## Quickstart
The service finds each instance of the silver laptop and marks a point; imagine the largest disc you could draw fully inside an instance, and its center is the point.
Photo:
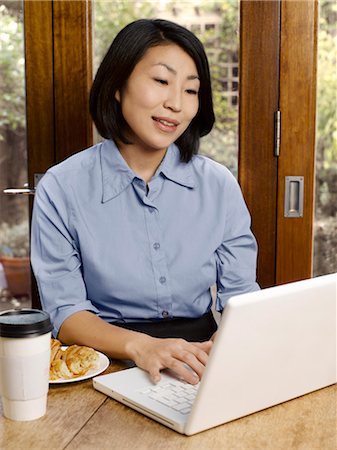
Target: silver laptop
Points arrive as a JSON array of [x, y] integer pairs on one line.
[[272, 345]]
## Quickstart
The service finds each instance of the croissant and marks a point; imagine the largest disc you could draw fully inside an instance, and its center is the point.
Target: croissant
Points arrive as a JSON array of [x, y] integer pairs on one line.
[[79, 359], [55, 350], [59, 370], [72, 362]]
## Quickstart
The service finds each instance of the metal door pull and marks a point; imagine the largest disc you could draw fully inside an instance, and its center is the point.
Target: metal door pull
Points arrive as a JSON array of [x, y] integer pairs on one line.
[[14, 191], [26, 190], [293, 199]]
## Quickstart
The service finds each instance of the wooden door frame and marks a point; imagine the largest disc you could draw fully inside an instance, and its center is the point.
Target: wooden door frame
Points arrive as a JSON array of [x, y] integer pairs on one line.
[[58, 52], [58, 78], [299, 22], [283, 33], [259, 100]]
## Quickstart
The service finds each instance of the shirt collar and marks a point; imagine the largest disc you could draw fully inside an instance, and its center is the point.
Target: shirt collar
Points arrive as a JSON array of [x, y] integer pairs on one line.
[[117, 175], [175, 170]]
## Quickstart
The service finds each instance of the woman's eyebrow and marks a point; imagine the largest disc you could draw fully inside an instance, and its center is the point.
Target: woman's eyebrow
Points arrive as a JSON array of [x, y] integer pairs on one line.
[[170, 69]]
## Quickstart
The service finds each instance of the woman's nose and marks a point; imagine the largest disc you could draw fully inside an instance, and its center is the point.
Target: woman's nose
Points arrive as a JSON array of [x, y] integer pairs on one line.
[[173, 100]]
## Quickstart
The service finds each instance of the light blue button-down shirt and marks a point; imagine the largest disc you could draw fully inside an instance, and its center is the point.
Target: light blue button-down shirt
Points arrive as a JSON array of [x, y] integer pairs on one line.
[[104, 242]]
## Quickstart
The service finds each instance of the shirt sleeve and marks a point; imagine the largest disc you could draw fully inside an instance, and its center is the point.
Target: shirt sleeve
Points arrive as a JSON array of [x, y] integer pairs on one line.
[[55, 258], [236, 256]]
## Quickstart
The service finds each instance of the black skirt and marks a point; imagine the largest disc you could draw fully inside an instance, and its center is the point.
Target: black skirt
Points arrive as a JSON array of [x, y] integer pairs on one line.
[[192, 330]]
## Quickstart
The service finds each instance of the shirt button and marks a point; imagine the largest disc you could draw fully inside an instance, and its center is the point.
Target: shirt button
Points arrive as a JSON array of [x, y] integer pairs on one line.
[[162, 280], [165, 314], [156, 245], [151, 210]]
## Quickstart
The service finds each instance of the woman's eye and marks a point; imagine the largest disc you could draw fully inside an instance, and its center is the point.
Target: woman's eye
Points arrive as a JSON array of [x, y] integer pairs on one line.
[[159, 80], [192, 91]]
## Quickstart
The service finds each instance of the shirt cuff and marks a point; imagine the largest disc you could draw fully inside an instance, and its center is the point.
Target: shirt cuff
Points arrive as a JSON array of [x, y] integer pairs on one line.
[[60, 315], [223, 297]]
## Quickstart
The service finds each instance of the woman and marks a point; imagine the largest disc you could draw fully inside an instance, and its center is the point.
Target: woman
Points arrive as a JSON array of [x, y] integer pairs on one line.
[[129, 235]]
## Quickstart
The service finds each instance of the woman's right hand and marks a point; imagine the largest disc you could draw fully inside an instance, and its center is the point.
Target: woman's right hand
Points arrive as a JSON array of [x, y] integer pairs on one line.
[[186, 359]]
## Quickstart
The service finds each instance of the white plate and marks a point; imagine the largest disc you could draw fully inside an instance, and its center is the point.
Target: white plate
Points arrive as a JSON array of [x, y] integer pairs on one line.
[[103, 363]]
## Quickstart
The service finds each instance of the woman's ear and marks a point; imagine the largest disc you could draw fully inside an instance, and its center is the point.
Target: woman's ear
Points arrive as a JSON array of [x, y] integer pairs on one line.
[[118, 96]]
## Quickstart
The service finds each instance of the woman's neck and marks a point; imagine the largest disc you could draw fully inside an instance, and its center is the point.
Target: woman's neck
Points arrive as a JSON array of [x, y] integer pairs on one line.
[[143, 163]]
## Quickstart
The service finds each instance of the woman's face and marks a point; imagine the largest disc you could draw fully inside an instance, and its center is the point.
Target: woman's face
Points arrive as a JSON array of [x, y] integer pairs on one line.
[[160, 98]]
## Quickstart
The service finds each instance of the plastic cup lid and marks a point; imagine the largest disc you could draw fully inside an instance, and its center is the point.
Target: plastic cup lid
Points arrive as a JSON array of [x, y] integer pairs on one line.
[[20, 323]]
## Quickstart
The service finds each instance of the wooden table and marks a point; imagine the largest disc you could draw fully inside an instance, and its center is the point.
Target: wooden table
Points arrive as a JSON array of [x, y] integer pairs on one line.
[[78, 418]]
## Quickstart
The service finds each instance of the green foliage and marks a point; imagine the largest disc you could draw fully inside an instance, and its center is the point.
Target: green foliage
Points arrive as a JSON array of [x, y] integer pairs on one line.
[[325, 227], [12, 81], [112, 16], [327, 86], [325, 244], [326, 142]]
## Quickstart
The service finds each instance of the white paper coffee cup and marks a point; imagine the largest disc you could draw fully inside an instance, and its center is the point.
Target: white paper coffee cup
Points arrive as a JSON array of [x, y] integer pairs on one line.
[[24, 363]]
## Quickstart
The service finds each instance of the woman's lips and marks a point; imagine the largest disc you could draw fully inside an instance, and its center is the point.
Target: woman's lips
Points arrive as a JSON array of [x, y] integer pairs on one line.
[[166, 124]]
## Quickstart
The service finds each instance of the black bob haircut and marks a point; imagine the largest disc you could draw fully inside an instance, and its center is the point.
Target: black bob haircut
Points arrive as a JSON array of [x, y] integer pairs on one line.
[[126, 50]]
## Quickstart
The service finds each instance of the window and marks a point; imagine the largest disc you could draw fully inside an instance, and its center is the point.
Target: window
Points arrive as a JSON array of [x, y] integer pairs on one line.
[[325, 226], [14, 229]]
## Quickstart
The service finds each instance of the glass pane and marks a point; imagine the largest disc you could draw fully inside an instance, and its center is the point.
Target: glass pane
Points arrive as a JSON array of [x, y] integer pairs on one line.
[[325, 226], [216, 23], [14, 237]]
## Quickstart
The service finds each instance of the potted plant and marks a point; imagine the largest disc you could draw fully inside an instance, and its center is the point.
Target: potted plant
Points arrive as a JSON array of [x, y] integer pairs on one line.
[[14, 256]]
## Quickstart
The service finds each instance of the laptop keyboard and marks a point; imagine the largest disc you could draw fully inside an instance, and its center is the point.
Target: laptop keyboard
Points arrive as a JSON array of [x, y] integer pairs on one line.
[[179, 397]]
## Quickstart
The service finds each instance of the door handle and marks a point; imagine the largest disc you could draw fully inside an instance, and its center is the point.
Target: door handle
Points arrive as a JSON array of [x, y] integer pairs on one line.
[[25, 190], [293, 199]]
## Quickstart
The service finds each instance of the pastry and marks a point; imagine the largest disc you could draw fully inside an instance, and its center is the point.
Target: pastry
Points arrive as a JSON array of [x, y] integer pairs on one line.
[[59, 370], [74, 361], [55, 350], [79, 359]]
